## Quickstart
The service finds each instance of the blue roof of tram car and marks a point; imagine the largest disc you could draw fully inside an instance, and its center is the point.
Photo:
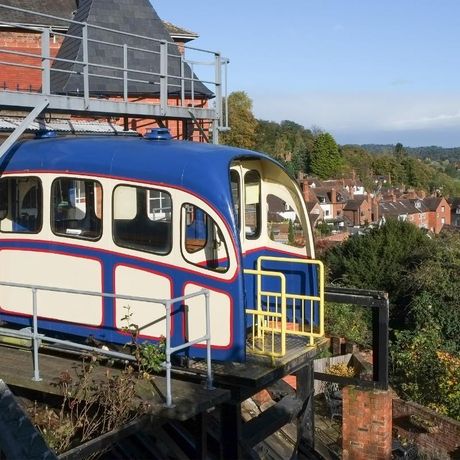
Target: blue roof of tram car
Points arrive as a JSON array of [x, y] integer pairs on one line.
[[201, 168]]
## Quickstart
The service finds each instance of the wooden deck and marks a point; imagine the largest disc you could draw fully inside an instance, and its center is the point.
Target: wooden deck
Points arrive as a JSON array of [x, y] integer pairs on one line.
[[189, 399]]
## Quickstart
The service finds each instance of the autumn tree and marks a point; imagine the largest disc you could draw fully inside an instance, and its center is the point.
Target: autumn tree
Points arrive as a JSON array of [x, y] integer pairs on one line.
[[242, 122], [326, 160]]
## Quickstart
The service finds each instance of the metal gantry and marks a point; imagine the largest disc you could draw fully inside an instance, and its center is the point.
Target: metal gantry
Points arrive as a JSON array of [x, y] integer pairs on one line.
[[173, 74]]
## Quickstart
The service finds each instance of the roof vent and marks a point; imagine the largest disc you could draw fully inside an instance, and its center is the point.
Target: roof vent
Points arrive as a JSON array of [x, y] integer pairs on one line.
[[158, 134], [45, 134]]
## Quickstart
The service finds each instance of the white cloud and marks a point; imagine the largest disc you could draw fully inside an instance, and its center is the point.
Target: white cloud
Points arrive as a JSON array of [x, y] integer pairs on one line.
[[364, 112]]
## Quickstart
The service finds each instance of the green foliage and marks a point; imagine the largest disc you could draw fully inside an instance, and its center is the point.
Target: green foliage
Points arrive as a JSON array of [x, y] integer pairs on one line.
[[423, 373], [323, 229], [287, 141], [291, 234], [326, 160], [242, 122], [435, 288], [152, 356], [348, 321], [382, 259]]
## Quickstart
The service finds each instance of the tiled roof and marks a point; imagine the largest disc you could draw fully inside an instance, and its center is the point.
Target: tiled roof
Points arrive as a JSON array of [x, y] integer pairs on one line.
[[432, 202], [132, 16], [61, 8], [354, 205], [402, 207]]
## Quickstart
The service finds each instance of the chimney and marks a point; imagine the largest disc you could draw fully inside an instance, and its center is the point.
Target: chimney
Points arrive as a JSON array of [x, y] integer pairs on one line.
[[333, 195], [305, 190]]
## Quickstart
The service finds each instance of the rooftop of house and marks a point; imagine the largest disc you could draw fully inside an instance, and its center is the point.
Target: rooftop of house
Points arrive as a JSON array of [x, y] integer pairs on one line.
[[355, 204], [402, 207], [66, 9], [454, 202]]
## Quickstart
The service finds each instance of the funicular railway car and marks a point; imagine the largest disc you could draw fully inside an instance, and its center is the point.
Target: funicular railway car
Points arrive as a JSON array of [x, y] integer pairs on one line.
[[157, 218]]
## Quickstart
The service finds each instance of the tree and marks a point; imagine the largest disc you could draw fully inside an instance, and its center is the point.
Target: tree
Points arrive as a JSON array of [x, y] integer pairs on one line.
[[326, 160], [242, 122], [383, 259]]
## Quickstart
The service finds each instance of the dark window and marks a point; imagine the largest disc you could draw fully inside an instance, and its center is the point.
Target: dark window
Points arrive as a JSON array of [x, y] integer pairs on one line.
[[202, 239], [76, 208], [21, 205], [142, 219], [252, 204], [235, 184]]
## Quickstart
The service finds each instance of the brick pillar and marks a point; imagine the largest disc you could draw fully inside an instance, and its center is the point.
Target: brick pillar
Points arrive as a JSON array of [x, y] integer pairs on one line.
[[367, 424]]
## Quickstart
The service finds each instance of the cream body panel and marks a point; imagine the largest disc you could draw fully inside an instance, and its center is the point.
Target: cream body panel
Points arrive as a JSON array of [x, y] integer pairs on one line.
[[53, 270], [149, 317], [220, 315]]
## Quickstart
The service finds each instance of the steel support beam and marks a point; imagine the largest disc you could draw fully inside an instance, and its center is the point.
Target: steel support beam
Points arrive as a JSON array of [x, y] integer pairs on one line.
[[16, 134]]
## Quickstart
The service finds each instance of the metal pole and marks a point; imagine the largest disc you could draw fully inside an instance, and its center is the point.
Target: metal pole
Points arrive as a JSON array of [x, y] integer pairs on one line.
[[209, 385], [85, 65], [168, 354], [36, 376], [163, 77], [125, 72], [46, 85]]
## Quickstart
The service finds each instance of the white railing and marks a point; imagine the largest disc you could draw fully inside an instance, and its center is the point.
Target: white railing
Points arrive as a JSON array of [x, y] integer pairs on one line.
[[36, 337]]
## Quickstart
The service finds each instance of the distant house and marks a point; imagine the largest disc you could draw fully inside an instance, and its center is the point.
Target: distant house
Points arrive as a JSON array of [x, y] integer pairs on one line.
[[454, 211], [358, 211], [439, 214], [430, 213]]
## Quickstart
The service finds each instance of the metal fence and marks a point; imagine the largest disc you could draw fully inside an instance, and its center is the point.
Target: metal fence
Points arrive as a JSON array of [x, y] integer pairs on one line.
[[37, 337]]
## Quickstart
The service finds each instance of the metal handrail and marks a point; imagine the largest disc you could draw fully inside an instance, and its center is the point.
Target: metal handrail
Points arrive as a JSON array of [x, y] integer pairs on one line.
[[36, 337]]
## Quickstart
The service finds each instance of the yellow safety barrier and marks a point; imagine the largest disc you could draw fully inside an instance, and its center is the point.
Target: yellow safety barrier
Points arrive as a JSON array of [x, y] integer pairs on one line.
[[273, 322]]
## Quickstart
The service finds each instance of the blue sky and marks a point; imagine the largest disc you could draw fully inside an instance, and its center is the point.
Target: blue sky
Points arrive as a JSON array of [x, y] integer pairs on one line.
[[366, 71]]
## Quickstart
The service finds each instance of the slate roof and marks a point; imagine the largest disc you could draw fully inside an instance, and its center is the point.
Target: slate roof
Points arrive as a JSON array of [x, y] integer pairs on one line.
[[61, 8], [354, 205], [131, 16], [454, 202], [432, 202], [402, 207]]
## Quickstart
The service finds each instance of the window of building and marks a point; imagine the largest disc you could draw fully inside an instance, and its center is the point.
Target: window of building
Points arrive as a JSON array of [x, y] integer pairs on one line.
[[21, 205], [443, 220], [326, 212], [142, 219], [442, 208], [203, 241], [76, 208], [252, 204]]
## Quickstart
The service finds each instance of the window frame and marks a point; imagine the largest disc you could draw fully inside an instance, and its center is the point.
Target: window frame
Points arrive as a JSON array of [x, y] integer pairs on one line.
[[183, 247], [41, 209], [52, 210], [258, 232], [137, 248]]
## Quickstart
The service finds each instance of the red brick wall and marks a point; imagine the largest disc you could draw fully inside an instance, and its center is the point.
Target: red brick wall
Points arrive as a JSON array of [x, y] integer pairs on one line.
[[23, 78], [443, 442], [367, 424]]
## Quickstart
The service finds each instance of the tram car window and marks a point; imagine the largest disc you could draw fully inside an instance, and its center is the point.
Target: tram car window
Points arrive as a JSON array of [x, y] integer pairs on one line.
[[76, 208], [252, 204], [142, 219], [20, 205]]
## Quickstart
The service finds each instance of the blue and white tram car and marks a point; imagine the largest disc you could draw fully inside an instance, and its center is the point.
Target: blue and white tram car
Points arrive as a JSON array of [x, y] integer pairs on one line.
[[147, 217]]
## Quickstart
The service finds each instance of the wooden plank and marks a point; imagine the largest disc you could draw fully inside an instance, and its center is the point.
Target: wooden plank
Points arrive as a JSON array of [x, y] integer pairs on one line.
[[189, 399]]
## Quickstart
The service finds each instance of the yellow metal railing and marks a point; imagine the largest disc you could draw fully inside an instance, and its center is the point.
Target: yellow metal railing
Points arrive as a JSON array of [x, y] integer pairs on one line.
[[269, 319], [267, 324]]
